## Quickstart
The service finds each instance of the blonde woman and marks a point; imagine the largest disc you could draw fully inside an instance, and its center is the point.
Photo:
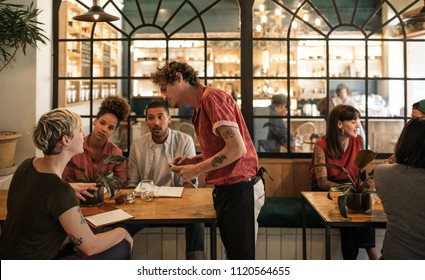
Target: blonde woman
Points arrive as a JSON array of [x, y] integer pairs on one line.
[[42, 209]]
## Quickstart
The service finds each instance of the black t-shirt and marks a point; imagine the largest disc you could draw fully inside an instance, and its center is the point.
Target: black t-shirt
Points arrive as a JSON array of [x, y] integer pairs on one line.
[[35, 201]]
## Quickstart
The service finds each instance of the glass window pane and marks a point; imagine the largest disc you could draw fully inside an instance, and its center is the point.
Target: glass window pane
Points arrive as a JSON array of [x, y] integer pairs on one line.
[[268, 134], [305, 133], [415, 93], [350, 92], [146, 56], [393, 67], [387, 100], [306, 95], [346, 58], [270, 59], [383, 134], [310, 59], [225, 56], [416, 59]]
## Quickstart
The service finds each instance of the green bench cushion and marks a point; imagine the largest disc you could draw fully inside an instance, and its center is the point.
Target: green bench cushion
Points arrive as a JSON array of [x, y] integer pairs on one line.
[[286, 212]]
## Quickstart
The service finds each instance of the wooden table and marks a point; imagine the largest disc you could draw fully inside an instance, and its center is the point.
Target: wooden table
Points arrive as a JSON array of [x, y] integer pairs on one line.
[[329, 212], [195, 206]]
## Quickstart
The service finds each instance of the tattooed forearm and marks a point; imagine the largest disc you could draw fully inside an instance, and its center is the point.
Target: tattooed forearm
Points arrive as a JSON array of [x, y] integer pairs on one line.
[[228, 133], [83, 220], [319, 157], [322, 182], [218, 160], [75, 240]]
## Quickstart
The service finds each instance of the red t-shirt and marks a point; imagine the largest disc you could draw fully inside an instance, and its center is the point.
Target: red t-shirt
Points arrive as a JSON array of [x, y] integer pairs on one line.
[[216, 108], [346, 161]]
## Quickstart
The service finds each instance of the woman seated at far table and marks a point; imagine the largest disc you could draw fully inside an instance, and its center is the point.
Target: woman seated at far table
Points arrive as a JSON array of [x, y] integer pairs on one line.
[[340, 146], [401, 187]]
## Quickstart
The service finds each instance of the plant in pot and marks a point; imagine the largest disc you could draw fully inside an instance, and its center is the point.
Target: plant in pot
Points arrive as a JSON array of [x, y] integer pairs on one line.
[[106, 180], [356, 194], [19, 28]]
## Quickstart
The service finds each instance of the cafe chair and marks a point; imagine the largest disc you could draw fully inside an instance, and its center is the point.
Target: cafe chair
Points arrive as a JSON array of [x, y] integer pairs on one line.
[[189, 129], [306, 132]]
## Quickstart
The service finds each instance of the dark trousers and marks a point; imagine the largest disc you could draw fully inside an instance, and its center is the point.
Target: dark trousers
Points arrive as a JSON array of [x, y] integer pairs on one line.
[[234, 206], [353, 238]]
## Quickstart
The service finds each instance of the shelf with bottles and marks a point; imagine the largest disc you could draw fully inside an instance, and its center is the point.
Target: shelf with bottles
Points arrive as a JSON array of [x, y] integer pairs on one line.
[[347, 58], [75, 55], [270, 59], [78, 91], [265, 89]]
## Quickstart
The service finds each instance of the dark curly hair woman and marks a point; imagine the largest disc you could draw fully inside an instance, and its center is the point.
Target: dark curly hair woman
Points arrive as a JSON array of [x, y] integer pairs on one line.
[[97, 145]]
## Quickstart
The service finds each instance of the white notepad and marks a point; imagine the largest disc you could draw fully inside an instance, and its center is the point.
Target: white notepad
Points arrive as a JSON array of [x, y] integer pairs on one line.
[[165, 191], [108, 218]]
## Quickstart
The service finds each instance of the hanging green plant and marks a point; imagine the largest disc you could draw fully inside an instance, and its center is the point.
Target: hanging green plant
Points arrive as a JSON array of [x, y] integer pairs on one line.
[[19, 28]]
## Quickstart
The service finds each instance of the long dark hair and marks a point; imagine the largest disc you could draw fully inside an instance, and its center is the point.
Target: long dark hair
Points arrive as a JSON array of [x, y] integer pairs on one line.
[[339, 113], [410, 147]]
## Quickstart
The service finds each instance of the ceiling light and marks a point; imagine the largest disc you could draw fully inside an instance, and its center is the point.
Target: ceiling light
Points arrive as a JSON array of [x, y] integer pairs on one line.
[[96, 13]]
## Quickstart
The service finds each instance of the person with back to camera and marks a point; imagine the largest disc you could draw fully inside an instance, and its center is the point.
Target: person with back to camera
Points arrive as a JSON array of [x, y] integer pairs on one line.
[[97, 146], [418, 110], [278, 133], [401, 187], [42, 209], [340, 146], [149, 158], [228, 156]]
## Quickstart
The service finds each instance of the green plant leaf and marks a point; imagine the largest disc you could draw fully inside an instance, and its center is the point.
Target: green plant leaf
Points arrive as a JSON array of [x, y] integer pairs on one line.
[[342, 202], [364, 157], [74, 166], [340, 168], [114, 159], [19, 28], [111, 182]]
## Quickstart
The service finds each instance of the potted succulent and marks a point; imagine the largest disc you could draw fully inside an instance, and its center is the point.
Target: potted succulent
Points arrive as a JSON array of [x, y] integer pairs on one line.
[[356, 195], [19, 28], [107, 180]]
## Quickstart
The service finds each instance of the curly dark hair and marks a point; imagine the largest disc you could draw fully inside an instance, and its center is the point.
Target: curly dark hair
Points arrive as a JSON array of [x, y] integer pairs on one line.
[[116, 105], [167, 74]]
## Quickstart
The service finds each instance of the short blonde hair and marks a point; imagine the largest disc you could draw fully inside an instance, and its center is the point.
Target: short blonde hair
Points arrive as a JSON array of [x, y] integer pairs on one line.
[[51, 127]]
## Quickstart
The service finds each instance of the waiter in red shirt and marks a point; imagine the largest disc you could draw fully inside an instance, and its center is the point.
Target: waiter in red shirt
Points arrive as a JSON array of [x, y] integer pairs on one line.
[[228, 157]]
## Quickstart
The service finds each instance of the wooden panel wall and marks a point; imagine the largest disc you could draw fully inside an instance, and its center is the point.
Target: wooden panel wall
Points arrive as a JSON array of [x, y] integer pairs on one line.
[[291, 176]]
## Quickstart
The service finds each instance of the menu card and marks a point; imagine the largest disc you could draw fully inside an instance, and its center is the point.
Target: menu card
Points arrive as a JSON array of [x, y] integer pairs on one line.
[[104, 215], [164, 191], [168, 191]]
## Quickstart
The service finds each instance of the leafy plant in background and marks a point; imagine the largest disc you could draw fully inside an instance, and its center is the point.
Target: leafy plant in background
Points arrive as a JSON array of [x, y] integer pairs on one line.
[[18, 29], [358, 185], [111, 182]]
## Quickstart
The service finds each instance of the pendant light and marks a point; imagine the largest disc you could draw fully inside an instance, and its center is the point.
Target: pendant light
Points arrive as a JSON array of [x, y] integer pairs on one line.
[[96, 13], [419, 17]]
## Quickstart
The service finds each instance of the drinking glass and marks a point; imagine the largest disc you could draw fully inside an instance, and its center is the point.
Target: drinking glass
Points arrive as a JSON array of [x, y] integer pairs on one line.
[[299, 140], [147, 190]]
